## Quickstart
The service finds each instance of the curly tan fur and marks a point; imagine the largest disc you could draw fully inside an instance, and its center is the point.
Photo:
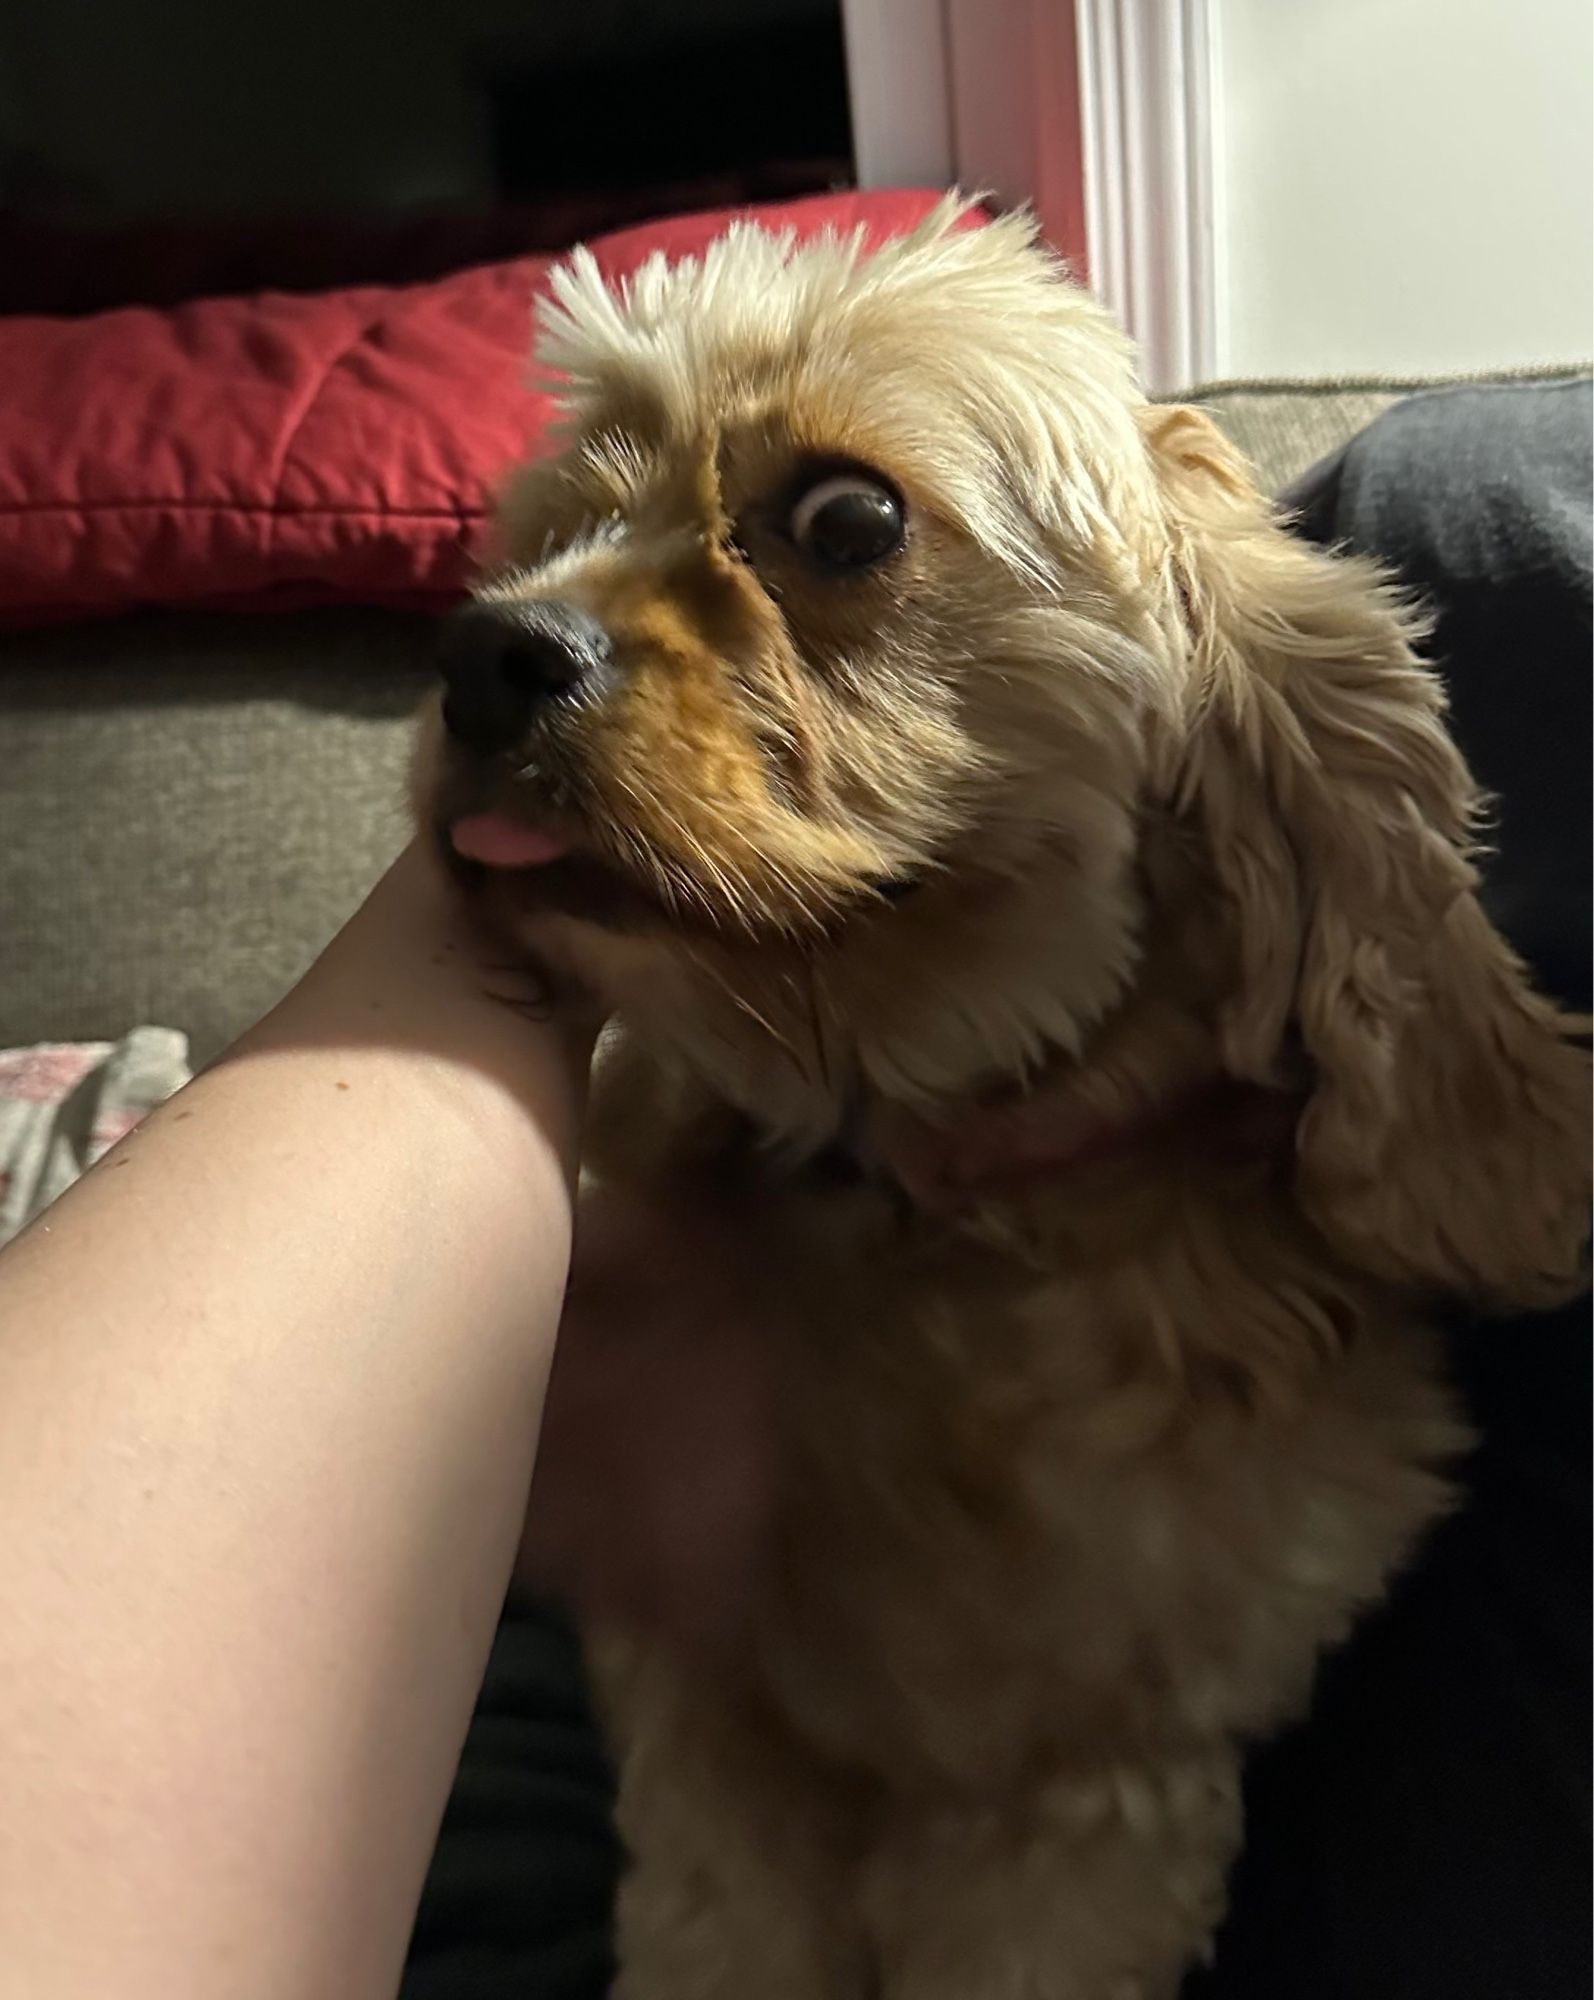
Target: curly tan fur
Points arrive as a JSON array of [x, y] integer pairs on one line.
[[1080, 1482]]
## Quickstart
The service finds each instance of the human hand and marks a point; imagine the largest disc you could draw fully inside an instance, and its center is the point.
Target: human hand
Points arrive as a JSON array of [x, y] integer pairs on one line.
[[658, 1465]]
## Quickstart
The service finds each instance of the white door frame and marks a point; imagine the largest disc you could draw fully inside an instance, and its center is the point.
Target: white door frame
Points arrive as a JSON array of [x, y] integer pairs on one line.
[[1016, 97], [1148, 103], [900, 92]]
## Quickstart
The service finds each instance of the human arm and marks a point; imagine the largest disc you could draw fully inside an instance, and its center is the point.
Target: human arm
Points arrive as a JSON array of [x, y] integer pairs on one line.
[[270, 1379]]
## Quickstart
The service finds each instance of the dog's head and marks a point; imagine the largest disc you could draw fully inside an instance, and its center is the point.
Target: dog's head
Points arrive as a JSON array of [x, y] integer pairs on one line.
[[840, 662]]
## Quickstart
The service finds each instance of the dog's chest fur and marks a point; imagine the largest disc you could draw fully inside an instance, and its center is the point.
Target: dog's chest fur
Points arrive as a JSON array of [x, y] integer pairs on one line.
[[1045, 1504], [1068, 1508]]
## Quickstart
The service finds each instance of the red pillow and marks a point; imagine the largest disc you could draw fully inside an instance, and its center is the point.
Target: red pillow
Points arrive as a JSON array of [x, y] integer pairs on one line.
[[281, 450]]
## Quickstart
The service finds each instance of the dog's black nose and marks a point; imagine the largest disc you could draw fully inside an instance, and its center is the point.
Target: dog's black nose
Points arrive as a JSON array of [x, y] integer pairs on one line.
[[502, 662]]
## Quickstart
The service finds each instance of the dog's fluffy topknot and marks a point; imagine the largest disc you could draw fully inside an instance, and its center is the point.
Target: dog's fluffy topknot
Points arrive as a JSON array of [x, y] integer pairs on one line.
[[976, 331]]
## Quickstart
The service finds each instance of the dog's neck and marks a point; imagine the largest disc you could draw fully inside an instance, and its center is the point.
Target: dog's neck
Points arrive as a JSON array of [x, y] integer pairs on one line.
[[957, 990], [992, 1151], [993, 1033], [1147, 1091]]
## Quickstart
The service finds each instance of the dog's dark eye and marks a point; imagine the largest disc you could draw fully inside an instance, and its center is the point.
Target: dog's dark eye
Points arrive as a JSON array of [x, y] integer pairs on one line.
[[848, 521]]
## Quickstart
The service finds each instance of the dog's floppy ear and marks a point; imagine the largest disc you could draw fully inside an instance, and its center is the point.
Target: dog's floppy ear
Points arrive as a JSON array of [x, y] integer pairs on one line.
[[1445, 1141]]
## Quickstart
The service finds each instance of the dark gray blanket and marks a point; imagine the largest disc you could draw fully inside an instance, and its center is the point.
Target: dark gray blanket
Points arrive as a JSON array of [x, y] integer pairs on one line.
[[1426, 1834]]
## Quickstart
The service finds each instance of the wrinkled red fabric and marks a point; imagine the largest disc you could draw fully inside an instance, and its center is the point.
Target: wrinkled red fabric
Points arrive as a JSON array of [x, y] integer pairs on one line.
[[285, 450]]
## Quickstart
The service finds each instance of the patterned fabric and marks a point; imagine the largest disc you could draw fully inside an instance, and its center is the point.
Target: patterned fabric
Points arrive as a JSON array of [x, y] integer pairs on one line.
[[63, 1104]]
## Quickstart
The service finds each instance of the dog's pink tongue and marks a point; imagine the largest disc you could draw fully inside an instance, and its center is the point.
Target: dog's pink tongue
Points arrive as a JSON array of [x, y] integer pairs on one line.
[[498, 841]]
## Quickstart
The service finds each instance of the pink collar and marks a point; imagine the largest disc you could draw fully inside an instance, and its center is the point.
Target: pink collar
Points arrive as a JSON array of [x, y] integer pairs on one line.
[[985, 1151]]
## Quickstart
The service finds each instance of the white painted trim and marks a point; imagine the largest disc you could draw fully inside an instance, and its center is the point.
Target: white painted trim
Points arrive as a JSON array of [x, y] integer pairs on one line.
[[980, 94], [1217, 146], [1148, 105], [900, 93]]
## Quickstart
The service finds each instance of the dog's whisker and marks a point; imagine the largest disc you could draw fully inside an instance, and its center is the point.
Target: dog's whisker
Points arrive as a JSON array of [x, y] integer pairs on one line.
[[740, 1001]]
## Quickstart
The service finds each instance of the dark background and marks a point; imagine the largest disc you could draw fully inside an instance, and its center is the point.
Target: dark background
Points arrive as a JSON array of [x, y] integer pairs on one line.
[[170, 148]]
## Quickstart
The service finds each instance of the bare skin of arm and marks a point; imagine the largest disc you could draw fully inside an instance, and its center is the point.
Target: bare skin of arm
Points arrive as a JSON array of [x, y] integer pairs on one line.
[[270, 1381]]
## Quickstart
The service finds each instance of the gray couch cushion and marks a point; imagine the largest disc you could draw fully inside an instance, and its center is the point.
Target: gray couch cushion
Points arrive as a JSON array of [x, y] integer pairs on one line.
[[1282, 432], [1284, 427], [191, 805]]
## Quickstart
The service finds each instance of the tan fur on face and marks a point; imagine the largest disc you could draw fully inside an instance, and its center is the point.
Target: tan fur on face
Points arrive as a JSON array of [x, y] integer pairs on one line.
[[1080, 1482], [975, 715]]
